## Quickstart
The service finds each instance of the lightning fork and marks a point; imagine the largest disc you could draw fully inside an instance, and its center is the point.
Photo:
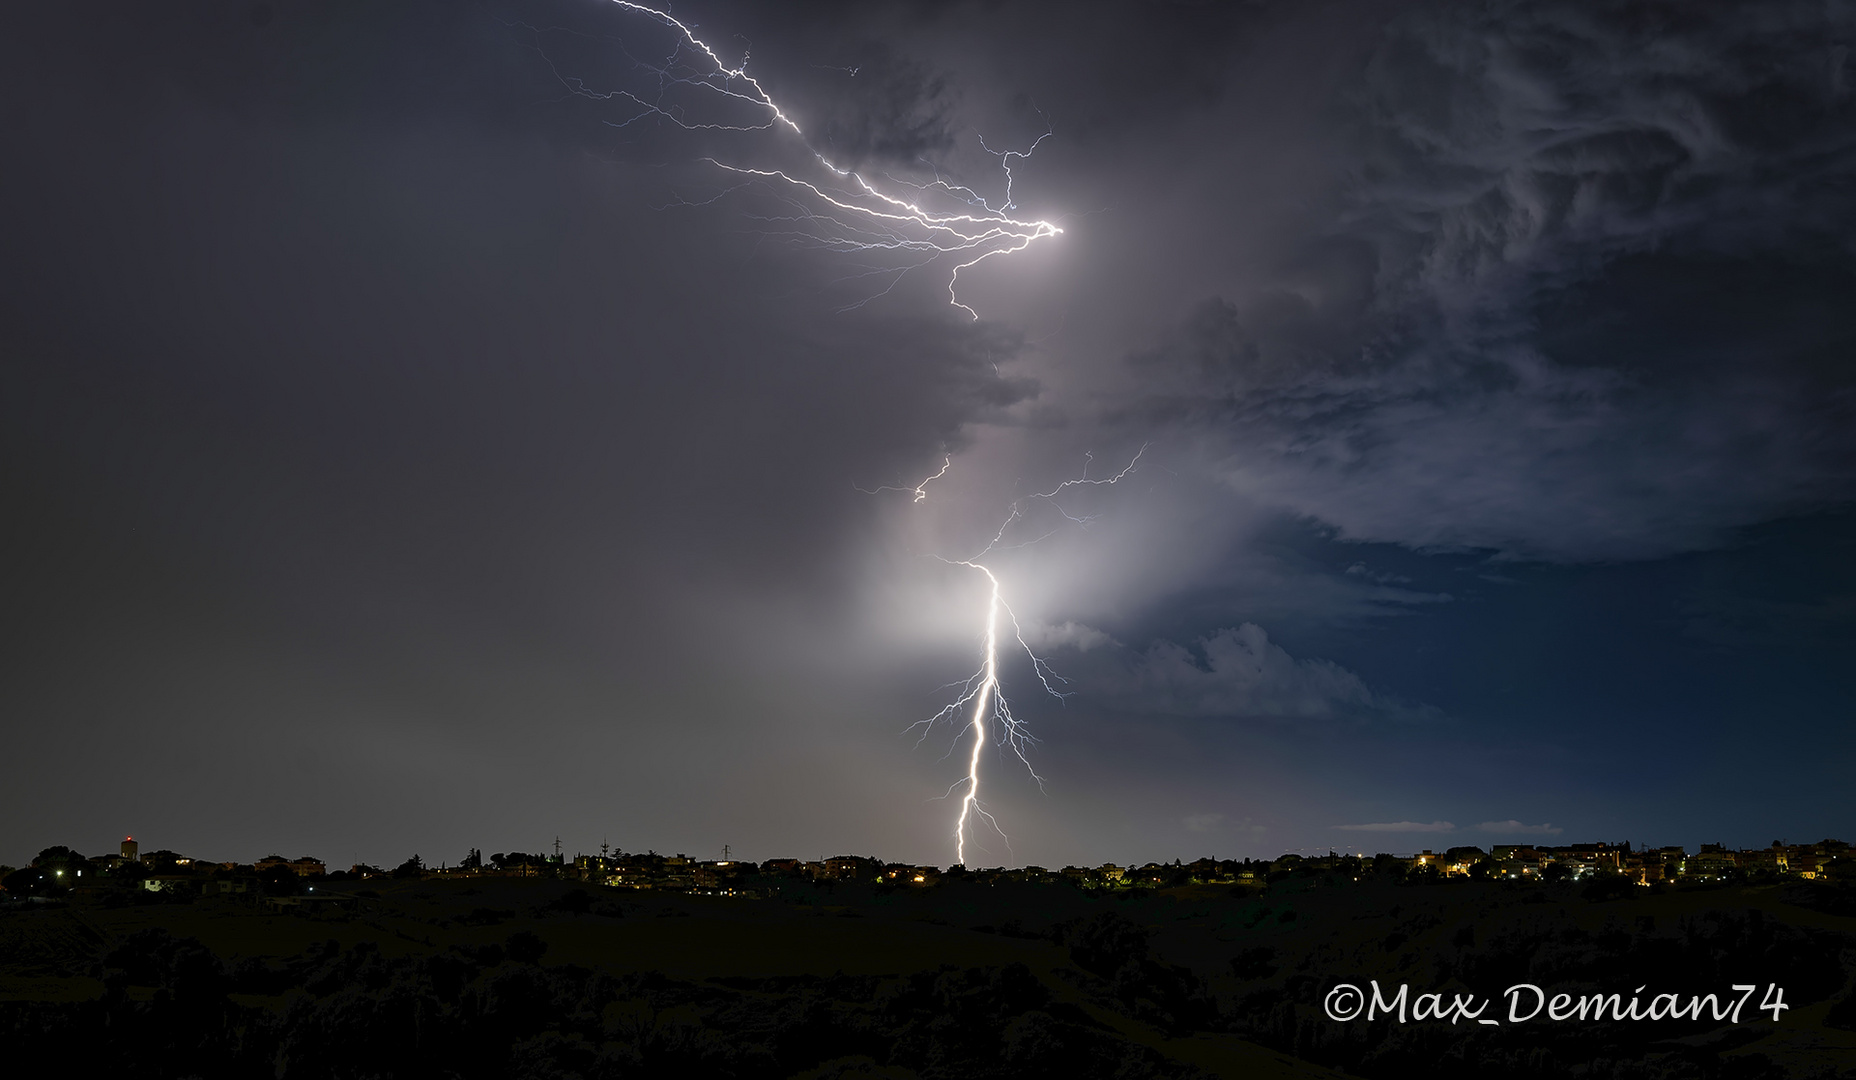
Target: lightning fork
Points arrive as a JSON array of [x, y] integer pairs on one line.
[[848, 212], [983, 690]]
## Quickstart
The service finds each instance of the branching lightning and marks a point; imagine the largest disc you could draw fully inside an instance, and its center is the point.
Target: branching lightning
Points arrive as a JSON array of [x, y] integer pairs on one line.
[[919, 491], [841, 209], [937, 222], [982, 698]]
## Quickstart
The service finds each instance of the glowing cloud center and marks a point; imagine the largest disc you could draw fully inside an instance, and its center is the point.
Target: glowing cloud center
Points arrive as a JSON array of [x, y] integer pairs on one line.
[[843, 210], [983, 690]]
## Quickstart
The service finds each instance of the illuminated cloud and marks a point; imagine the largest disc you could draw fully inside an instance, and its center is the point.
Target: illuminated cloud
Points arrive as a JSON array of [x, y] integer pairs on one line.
[[1239, 672], [1067, 635]]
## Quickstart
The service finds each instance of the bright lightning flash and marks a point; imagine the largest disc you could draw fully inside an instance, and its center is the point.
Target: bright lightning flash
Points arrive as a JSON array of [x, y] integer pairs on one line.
[[841, 209], [982, 690]]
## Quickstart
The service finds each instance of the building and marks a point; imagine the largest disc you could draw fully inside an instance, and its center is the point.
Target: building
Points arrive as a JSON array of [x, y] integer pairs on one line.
[[1584, 860], [715, 876], [131, 851], [1593, 858], [679, 872], [1513, 860], [850, 868], [1774, 860], [1714, 860], [905, 874]]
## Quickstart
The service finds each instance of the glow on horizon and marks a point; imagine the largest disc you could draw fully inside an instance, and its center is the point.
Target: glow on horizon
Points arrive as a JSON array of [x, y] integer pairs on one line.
[[983, 689]]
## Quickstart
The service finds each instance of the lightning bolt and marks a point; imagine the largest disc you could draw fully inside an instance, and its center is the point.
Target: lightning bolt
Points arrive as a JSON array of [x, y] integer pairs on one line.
[[841, 209], [919, 491], [982, 697]]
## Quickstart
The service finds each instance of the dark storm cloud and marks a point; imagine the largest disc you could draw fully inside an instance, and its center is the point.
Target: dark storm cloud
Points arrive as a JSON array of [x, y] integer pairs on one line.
[[886, 108], [275, 213], [414, 441], [1584, 294], [370, 417]]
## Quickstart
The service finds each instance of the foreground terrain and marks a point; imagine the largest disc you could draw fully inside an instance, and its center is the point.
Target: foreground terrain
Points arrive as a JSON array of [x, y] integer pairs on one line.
[[543, 978]]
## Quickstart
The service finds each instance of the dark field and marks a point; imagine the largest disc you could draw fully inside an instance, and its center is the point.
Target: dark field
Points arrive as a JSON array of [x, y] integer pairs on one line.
[[498, 977]]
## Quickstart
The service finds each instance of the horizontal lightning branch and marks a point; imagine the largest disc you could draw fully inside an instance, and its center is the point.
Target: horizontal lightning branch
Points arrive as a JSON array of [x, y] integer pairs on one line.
[[840, 209]]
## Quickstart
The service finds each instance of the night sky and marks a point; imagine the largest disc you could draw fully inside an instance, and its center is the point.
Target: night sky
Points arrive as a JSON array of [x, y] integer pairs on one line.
[[403, 452]]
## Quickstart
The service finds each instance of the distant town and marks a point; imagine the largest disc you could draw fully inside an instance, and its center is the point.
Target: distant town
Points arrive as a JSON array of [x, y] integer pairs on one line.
[[132, 875]]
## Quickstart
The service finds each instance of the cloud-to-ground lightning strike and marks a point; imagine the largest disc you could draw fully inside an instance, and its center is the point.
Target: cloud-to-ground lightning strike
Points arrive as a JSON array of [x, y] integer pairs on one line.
[[847, 212], [842, 209], [983, 690]]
